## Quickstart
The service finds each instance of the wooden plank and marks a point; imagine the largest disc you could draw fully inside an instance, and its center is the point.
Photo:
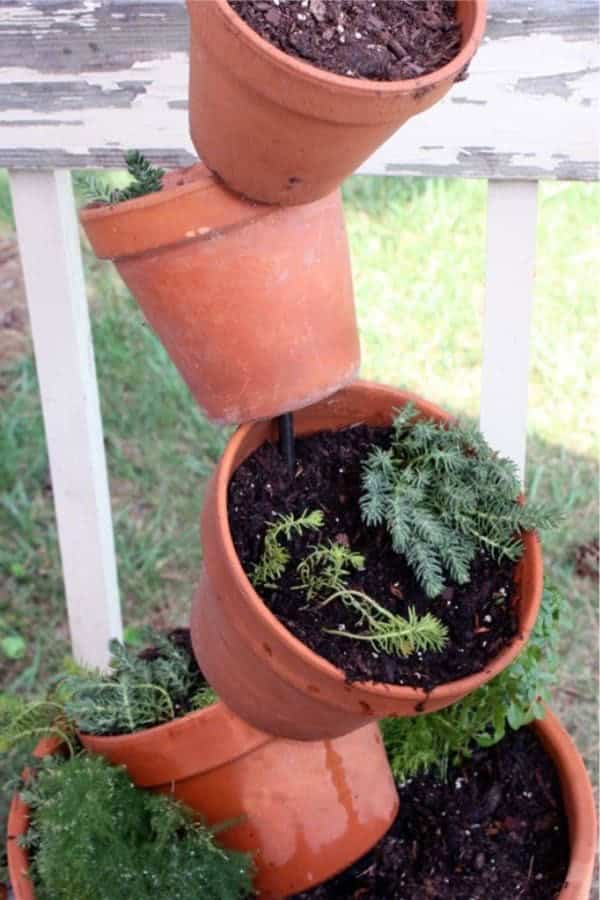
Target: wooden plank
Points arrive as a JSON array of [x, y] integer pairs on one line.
[[53, 273], [82, 80], [511, 238]]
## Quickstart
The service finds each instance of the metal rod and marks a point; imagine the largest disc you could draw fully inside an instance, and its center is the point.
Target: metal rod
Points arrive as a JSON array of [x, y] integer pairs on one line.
[[286, 440]]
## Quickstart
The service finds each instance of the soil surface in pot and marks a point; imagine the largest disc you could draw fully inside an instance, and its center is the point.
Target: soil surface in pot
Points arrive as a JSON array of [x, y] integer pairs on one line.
[[496, 829], [479, 616], [381, 40]]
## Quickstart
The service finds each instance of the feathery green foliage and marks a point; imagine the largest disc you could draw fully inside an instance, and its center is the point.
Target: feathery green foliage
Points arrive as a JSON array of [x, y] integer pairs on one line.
[[275, 557], [388, 632], [327, 569], [21, 721], [94, 835], [444, 495], [139, 691], [512, 699], [324, 578], [146, 179]]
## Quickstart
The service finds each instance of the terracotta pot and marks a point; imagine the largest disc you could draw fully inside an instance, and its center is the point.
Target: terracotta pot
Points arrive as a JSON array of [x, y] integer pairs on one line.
[[18, 823], [310, 809], [580, 808], [253, 303], [265, 674], [282, 131], [576, 791]]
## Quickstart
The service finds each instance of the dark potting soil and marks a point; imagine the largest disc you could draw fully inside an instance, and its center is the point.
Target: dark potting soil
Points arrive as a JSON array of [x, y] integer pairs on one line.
[[479, 615], [381, 40], [495, 830]]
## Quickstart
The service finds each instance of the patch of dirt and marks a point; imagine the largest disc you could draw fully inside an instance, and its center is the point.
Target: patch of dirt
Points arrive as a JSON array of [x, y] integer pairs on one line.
[[587, 560], [380, 40], [496, 829], [480, 616]]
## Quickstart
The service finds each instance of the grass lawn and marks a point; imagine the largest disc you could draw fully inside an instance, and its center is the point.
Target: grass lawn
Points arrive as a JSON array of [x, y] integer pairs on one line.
[[418, 256]]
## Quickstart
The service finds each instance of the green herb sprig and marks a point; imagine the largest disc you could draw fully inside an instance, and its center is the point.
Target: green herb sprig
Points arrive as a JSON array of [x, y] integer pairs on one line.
[[444, 495], [93, 834], [514, 698], [146, 179]]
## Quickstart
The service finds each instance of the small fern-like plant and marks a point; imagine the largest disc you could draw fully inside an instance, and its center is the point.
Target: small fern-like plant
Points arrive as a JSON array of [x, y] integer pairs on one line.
[[324, 578], [326, 569], [93, 834], [275, 556], [444, 495], [388, 632], [145, 179], [516, 697], [23, 721], [140, 690]]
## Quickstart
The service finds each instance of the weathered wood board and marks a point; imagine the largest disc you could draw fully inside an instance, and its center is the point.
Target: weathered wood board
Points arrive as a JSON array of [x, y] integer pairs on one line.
[[80, 80]]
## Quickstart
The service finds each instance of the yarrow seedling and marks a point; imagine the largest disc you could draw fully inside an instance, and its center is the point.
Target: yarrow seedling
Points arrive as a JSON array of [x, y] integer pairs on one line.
[[444, 496], [324, 577], [146, 179], [510, 700]]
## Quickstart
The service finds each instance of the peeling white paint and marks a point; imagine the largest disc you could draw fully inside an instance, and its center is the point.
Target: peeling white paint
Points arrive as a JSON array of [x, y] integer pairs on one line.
[[493, 123]]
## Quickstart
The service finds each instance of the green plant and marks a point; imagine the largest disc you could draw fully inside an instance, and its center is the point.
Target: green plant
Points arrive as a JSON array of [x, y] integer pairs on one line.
[[146, 179], [512, 699], [93, 834], [324, 575], [444, 495], [326, 569], [140, 690], [22, 721], [275, 557], [388, 632]]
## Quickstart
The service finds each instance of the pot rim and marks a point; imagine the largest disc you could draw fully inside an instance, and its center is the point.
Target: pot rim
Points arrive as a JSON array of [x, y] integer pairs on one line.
[[341, 83], [578, 800], [201, 179], [448, 689], [229, 738]]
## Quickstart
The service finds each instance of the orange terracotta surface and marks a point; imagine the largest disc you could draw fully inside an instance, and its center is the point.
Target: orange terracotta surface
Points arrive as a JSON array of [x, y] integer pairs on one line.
[[18, 823], [310, 809], [253, 303], [265, 674], [580, 808], [577, 794], [282, 131]]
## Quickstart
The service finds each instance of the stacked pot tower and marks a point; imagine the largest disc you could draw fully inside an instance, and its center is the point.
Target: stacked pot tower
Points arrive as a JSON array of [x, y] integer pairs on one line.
[[241, 266]]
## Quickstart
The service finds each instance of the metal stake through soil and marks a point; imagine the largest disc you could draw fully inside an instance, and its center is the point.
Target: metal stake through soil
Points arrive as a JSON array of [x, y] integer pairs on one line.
[[286, 440]]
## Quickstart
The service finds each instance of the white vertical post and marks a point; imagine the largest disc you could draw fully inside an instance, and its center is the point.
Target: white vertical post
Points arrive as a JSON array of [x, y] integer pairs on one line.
[[53, 272], [511, 234]]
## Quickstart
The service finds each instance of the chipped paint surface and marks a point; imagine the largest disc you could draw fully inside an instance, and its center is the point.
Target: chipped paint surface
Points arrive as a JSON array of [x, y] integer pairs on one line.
[[74, 91]]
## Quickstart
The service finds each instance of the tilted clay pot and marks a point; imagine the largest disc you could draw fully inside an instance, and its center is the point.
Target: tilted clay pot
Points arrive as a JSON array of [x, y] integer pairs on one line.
[[264, 673], [253, 303], [282, 131], [309, 809], [576, 791]]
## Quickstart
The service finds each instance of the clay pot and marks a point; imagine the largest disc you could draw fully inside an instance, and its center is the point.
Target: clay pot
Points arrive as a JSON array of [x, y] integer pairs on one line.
[[254, 304], [18, 823], [578, 798], [310, 809], [282, 131], [264, 673], [576, 791]]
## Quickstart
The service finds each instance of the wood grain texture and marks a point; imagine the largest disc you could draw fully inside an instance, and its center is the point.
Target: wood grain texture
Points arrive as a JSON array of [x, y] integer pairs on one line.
[[82, 80]]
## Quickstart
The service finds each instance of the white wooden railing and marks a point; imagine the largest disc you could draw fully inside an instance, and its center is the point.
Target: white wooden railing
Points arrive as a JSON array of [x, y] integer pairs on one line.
[[82, 80]]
